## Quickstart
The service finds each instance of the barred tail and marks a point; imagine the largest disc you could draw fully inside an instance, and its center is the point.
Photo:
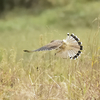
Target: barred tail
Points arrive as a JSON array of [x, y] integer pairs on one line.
[[75, 41], [72, 48]]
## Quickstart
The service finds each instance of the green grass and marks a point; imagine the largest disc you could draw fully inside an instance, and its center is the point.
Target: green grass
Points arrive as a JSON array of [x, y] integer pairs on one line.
[[42, 75]]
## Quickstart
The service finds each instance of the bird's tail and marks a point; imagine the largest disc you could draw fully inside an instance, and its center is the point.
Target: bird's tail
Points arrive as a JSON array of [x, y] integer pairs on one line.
[[73, 47]]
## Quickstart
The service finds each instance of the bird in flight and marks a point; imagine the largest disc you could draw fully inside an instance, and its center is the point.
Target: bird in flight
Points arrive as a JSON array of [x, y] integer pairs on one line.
[[69, 47]]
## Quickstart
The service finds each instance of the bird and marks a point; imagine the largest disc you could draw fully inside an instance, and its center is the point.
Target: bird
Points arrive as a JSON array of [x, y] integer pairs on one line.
[[71, 47]]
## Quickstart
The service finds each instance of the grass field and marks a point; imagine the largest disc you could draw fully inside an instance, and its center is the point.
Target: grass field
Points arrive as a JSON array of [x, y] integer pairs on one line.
[[41, 75]]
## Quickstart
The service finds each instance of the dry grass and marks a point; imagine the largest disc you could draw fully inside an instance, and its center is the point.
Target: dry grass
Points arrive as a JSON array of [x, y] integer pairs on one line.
[[42, 76]]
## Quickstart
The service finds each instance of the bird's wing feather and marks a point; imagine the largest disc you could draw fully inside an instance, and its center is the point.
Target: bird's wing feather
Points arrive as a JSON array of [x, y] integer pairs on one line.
[[52, 45]]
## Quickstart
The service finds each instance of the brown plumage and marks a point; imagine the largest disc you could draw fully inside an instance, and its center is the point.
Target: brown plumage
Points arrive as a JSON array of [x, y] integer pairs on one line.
[[70, 47]]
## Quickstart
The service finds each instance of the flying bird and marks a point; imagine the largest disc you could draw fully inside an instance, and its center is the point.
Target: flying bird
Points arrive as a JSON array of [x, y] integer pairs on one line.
[[70, 47]]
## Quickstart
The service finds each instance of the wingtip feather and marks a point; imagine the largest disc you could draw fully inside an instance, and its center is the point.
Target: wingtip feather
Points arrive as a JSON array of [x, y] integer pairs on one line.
[[26, 51]]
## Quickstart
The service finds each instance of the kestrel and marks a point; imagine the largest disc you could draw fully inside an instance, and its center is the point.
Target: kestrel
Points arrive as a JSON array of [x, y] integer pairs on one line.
[[69, 47]]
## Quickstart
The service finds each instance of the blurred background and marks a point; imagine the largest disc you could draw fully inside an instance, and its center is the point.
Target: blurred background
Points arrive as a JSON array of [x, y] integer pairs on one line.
[[30, 24], [24, 22]]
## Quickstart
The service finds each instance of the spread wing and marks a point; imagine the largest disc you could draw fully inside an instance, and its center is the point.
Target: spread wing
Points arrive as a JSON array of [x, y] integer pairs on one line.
[[52, 45]]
